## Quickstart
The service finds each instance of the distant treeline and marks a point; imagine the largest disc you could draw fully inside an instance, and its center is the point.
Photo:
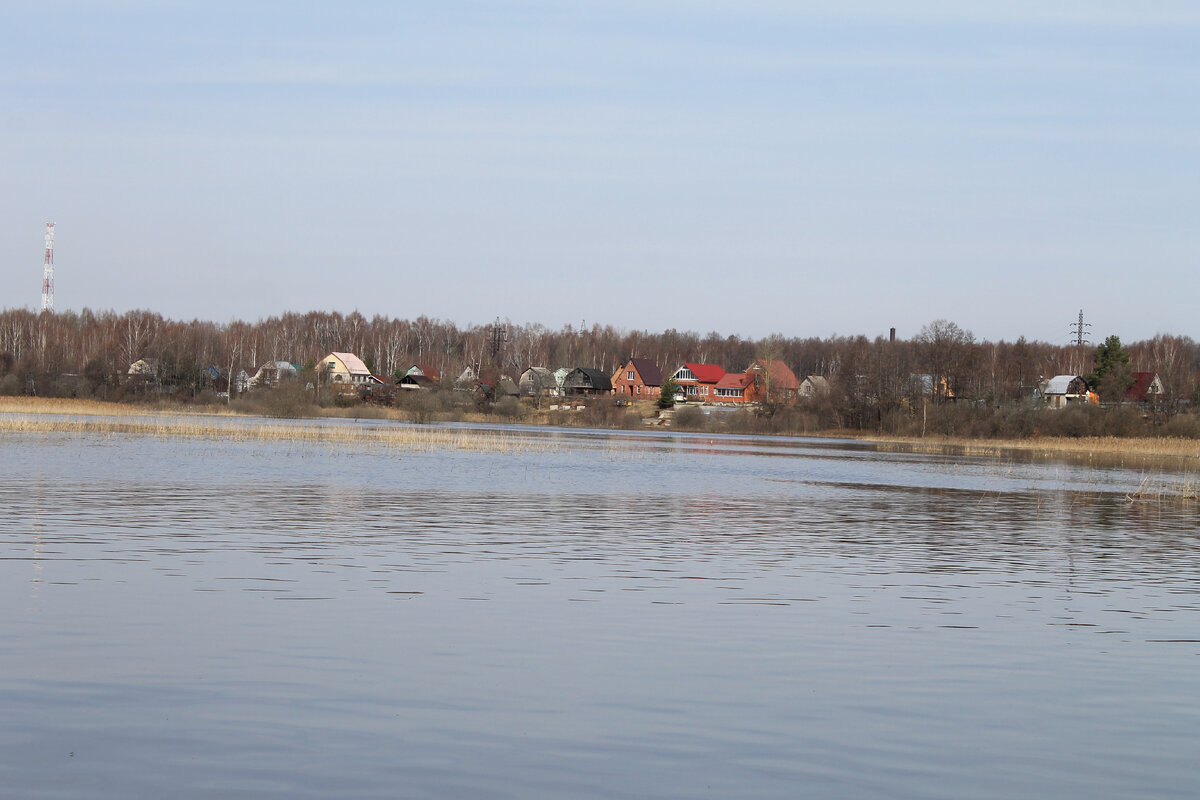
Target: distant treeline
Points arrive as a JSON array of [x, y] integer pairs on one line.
[[869, 378]]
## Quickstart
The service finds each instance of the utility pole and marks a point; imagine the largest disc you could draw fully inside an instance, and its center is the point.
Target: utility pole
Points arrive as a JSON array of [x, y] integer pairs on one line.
[[48, 271]]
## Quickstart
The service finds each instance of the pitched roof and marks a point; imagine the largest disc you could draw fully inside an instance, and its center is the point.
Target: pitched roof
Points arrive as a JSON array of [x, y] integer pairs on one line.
[[735, 380], [1142, 383], [781, 376], [424, 370], [651, 374], [705, 373], [1061, 384], [595, 379], [354, 364]]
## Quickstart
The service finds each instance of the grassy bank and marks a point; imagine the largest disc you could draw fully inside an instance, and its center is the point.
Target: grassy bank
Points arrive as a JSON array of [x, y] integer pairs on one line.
[[206, 420]]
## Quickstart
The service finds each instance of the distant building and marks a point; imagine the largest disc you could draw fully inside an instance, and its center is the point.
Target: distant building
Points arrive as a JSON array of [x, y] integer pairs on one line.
[[420, 376], [1061, 390], [345, 372], [272, 372], [774, 382], [1146, 388], [538, 382], [697, 382], [813, 386], [586, 381], [640, 377]]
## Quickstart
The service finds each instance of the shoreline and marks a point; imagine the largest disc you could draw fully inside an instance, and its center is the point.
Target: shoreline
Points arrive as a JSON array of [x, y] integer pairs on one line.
[[1184, 451]]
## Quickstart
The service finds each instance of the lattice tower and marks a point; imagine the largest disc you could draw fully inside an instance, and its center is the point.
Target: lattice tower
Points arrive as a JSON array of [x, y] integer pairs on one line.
[[48, 271]]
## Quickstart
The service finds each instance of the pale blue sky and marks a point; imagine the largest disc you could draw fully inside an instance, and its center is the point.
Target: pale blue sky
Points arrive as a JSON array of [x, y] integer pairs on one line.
[[751, 167]]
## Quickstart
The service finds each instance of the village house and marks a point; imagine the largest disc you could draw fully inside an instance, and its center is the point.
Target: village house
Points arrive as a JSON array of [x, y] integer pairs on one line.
[[733, 388], [586, 381], [813, 386], [1060, 390], [774, 382], [219, 378], [1146, 388], [640, 377], [272, 372], [697, 383], [420, 376], [346, 372], [144, 369], [538, 382]]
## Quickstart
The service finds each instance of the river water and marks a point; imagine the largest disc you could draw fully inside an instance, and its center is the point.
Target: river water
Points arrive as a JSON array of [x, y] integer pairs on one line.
[[585, 614]]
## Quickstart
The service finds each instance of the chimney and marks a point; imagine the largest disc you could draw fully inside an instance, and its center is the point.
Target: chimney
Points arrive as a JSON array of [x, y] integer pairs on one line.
[[892, 336]]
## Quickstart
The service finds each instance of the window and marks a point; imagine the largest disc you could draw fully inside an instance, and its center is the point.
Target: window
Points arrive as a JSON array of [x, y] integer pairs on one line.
[[629, 375], [637, 390]]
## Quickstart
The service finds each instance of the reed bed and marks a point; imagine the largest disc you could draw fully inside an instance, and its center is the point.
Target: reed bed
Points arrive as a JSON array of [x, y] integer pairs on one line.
[[406, 438], [1186, 449]]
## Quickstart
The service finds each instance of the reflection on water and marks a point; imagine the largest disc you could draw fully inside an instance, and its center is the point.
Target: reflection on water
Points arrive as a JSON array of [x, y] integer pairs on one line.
[[599, 615]]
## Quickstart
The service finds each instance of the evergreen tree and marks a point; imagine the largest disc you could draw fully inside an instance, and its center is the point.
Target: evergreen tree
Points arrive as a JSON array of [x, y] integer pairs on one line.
[[1113, 373], [666, 396]]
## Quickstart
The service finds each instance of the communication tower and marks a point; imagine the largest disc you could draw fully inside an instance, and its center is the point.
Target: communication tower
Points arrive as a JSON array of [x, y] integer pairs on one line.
[[48, 271]]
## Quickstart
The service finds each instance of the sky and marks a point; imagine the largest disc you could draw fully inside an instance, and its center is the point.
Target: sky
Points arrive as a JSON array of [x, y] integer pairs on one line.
[[750, 168]]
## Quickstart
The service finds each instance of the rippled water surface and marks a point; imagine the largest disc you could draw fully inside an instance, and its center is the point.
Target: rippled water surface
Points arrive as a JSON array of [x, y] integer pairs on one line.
[[587, 614]]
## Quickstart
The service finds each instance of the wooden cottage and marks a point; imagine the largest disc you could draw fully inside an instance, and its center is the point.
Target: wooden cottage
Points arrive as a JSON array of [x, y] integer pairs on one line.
[[586, 381]]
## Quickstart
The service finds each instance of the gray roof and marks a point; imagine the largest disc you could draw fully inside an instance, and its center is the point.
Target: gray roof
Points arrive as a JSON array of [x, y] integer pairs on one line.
[[1060, 384]]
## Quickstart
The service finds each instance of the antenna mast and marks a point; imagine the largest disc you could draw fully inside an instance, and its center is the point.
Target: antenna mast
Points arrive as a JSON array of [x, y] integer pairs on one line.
[[48, 271]]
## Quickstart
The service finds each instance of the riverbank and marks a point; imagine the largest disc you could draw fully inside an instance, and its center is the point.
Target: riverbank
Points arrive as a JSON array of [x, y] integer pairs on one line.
[[188, 420]]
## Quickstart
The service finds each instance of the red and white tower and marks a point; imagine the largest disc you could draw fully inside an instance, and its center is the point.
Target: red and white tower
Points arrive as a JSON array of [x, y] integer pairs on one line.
[[48, 272]]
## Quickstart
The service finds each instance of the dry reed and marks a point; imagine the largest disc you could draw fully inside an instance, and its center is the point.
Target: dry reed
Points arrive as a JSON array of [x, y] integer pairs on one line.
[[402, 438]]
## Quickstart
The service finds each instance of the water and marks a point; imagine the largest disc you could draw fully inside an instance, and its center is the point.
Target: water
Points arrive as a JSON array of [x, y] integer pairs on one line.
[[588, 614]]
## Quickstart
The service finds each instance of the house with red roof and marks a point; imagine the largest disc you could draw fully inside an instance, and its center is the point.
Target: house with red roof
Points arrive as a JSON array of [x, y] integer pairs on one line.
[[1146, 388], [697, 383], [640, 377], [734, 387], [774, 382]]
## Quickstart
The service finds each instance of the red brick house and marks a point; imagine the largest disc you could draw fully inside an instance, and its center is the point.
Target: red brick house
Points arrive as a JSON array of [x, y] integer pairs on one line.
[[734, 388], [774, 382], [697, 383], [640, 377]]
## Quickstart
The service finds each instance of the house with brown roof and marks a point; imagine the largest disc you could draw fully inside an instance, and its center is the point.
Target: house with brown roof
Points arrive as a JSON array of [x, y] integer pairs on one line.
[[697, 383], [420, 376], [640, 377]]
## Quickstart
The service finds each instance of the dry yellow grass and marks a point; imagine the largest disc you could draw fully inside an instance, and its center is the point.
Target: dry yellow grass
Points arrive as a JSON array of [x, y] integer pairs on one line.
[[199, 427], [1086, 446], [206, 422]]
